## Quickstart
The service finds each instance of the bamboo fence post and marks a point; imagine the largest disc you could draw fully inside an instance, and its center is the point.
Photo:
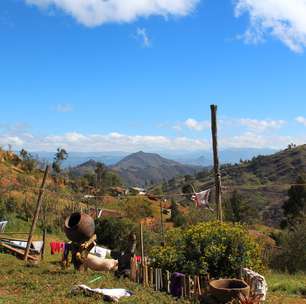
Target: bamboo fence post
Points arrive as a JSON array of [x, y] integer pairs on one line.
[[143, 270], [36, 214], [168, 281], [151, 277], [214, 131]]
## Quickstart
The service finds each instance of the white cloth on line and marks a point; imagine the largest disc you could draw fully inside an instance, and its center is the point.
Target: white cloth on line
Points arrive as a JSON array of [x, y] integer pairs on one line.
[[2, 225], [201, 199]]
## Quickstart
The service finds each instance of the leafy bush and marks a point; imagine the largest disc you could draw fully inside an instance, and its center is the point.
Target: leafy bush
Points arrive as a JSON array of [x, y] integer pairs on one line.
[[3, 213], [217, 248], [291, 256], [114, 232]]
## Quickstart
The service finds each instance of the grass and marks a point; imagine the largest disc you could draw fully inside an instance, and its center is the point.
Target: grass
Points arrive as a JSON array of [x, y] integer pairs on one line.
[[48, 283], [290, 285]]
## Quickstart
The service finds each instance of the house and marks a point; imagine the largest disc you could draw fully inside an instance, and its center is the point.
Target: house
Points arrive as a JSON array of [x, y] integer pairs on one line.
[[137, 191]]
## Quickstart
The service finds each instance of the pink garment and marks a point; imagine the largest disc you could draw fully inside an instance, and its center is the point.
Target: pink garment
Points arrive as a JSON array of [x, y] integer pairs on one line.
[[57, 247]]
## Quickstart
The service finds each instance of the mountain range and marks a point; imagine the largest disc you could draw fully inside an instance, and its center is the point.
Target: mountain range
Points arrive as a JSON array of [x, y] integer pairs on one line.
[[197, 158], [141, 169]]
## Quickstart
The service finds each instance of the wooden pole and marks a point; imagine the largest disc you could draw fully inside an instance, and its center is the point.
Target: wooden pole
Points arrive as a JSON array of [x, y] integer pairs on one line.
[[141, 241], [214, 131], [44, 243], [44, 235], [35, 218], [142, 256], [162, 223]]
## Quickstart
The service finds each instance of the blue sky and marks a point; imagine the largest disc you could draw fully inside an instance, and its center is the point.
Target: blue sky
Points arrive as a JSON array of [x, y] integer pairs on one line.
[[128, 75]]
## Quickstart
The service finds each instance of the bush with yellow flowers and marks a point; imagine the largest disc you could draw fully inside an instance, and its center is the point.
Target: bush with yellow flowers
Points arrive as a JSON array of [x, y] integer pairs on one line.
[[219, 249]]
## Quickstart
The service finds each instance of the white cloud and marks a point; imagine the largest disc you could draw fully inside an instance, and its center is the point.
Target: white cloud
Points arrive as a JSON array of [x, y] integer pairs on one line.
[[63, 108], [196, 125], [283, 19], [14, 141], [96, 12], [301, 120], [78, 142], [255, 140], [261, 125], [74, 141], [143, 35]]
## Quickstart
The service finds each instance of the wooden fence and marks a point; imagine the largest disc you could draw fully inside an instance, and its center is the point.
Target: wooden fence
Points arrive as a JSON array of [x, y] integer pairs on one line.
[[191, 287]]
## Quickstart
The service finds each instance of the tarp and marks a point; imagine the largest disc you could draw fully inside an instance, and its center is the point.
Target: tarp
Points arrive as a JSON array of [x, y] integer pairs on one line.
[[36, 245]]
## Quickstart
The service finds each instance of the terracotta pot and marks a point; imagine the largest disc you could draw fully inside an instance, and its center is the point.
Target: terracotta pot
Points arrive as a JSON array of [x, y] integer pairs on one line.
[[228, 289], [79, 227]]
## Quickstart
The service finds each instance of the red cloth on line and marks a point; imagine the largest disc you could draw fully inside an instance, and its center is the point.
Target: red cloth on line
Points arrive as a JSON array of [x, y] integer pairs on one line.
[[57, 247]]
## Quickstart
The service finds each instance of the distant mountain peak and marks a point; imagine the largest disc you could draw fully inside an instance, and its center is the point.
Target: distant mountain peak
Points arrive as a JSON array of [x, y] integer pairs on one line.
[[141, 168]]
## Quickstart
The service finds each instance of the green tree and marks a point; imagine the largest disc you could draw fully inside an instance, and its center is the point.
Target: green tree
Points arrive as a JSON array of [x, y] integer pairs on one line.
[[294, 208], [291, 255], [59, 157], [176, 216], [114, 232], [28, 163], [100, 171], [238, 210]]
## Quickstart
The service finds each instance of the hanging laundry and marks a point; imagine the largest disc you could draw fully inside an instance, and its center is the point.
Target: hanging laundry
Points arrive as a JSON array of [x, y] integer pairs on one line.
[[2, 225], [201, 199], [57, 247]]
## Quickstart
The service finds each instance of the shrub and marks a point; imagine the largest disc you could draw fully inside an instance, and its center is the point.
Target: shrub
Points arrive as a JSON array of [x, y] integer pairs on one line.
[[291, 256], [217, 248], [3, 213], [113, 232]]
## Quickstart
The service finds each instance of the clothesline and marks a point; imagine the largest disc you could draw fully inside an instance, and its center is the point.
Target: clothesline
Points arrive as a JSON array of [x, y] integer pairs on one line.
[[89, 196]]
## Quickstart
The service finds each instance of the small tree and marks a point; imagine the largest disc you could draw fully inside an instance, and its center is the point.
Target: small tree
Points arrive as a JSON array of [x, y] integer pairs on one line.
[[114, 232], [239, 211], [295, 207], [100, 171], [28, 162], [176, 216], [59, 157]]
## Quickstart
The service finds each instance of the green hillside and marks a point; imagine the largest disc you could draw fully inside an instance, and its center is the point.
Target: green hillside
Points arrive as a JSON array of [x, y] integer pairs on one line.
[[263, 181]]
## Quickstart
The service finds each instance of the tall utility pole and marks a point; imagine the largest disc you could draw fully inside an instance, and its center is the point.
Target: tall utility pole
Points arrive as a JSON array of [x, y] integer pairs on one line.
[[214, 131]]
